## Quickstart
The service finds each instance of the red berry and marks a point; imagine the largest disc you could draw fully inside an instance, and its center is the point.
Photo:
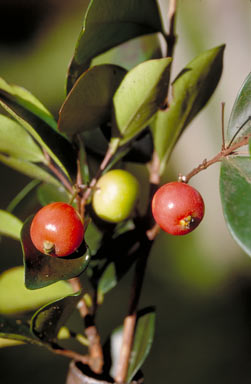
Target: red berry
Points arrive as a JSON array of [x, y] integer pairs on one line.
[[57, 229], [178, 208]]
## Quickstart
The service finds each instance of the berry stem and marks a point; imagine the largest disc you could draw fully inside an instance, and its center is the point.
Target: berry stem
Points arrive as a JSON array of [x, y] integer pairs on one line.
[[228, 151]]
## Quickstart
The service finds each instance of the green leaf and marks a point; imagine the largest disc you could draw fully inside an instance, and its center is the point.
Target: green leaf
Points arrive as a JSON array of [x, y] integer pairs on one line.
[[58, 147], [239, 123], [48, 193], [16, 142], [141, 93], [16, 298], [29, 169], [9, 343], [48, 320], [143, 340], [10, 225], [16, 329], [192, 88], [106, 25], [25, 193], [42, 270], [123, 254], [235, 189], [29, 102], [89, 103]]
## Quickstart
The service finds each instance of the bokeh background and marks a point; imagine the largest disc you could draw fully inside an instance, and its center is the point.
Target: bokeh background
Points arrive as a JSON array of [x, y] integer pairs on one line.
[[200, 284]]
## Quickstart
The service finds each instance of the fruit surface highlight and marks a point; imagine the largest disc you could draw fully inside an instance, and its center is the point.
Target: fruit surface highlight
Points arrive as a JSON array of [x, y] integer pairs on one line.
[[57, 229], [178, 208], [115, 195]]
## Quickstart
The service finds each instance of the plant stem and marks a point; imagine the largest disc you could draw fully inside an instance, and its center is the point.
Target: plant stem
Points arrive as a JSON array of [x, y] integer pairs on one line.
[[230, 150], [96, 359], [58, 174]]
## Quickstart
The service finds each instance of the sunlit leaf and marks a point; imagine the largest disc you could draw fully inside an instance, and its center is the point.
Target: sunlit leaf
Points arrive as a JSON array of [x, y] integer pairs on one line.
[[16, 298], [9, 343], [16, 142], [240, 119], [42, 270], [58, 147], [29, 169], [141, 93], [143, 340], [235, 189], [29, 102], [48, 320], [107, 24], [89, 103], [192, 88], [10, 225]]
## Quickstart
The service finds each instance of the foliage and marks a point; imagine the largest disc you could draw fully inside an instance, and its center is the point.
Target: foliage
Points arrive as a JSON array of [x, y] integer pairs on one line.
[[110, 116]]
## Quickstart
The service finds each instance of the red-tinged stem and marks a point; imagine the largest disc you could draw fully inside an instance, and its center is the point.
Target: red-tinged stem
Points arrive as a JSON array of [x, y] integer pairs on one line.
[[228, 151]]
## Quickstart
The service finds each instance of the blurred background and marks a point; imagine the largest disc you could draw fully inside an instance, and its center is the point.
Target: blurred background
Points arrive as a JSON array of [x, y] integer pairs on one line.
[[201, 283]]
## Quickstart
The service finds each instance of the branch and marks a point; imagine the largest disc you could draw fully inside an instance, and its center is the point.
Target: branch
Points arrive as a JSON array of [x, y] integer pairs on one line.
[[225, 152]]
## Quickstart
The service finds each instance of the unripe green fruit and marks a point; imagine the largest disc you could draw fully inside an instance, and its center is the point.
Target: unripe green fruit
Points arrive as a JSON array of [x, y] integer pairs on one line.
[[115, 195]]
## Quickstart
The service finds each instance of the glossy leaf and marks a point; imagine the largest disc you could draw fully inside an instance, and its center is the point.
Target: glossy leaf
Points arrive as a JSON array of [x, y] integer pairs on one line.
[[16, 142], [29, 169], [58, 147], [16, 329], [10, 225], [48, 320], [29, 102], [141, 93], [42, 270], [240, 120], [121, 257], [192, 88], [143, 340], [89, 103], [16, 298], [107, 24], [48, 193], [235, 189]]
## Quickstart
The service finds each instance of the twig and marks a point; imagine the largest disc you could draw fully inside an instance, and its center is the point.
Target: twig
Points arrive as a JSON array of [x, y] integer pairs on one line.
[[219, 157], [96, 359], [71, 354], [57, 173], [147, 241]]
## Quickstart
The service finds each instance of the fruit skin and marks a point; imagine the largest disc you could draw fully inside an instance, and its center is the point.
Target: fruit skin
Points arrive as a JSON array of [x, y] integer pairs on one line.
[[115, 195], [57, 229], [178, 208]]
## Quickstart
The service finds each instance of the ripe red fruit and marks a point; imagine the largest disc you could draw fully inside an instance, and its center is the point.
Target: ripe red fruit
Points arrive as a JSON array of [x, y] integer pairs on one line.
[[178, 208], [57, 229]]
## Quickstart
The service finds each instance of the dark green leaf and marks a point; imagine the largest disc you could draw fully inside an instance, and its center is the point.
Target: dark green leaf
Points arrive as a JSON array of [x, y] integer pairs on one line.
[[235, 188], [48, 320], [42, 270], [29, 169], [107, 24], [191, 90], [143, 340], [89, 103], [10, 225], [16, 329], [16, 298], [141, 93], [16, 142], [23, 194], [120, 258], [48, 193], [132, 52], [58, 147], [240, 120]]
